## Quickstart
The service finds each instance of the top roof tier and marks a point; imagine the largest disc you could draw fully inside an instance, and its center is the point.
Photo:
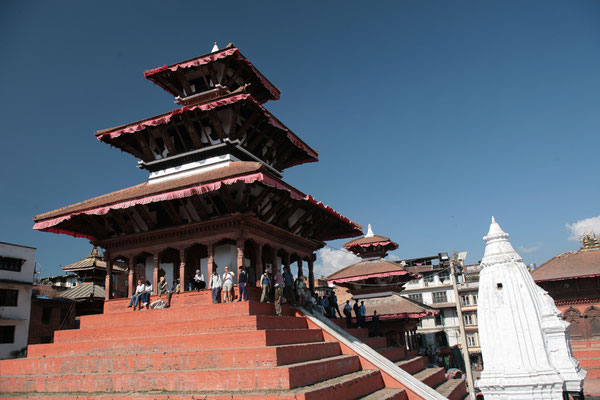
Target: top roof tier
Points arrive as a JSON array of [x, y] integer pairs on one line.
[[371, 245], [208, 75]]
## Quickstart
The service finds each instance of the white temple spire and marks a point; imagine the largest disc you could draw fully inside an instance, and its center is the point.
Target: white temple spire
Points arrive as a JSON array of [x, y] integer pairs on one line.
[[369, 232], [215, 48]]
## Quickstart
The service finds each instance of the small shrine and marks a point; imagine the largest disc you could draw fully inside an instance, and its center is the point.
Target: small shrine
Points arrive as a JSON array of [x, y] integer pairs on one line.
[[524, 341], [377, 282], [215, 196]]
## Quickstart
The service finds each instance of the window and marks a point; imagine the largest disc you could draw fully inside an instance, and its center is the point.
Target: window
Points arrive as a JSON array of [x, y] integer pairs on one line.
[[416, 297], [7, 334], [469, 319], [11, 264], [475, 298], [8, 297], [428, 278], [439, 297], [444, 276], [471, 340], [464, 300], [46, 315], [439, 320]]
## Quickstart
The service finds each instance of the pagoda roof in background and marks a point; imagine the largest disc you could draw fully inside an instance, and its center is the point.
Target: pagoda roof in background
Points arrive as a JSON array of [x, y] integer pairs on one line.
[[85, 291], [394, 306], [93, 261], [375, 240], [169, 77], [197, 184], [569, 265], [366, 269]]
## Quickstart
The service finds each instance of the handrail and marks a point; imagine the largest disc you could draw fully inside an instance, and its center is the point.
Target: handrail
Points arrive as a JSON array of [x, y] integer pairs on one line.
[[368, 353]]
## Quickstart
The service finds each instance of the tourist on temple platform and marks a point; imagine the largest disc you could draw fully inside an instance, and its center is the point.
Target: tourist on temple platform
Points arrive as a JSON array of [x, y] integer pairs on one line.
[[175, 289], [375, 320], [242, 282], [323, 302], [348, 314], [363, 314], [300, 286], [278, 299], [288, 286], [214, 285], [228, 285], [199, 282], [429, 353], [135, 299], [265, 283], [163, 286], [333, 304], [356, 309], [145, 298]]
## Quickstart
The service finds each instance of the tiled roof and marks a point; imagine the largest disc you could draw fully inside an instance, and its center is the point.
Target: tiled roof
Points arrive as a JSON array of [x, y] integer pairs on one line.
[[84, 291], [396, 305], [94, 260], [146, 189], [366, 268], [569, 265]]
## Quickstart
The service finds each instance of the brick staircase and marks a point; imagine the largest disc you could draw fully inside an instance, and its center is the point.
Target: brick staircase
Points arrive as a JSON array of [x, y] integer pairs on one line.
[[197, 350], [411, 362]]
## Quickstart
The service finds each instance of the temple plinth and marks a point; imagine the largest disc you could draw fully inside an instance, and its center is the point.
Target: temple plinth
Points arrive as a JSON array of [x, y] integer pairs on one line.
[[215, 196]]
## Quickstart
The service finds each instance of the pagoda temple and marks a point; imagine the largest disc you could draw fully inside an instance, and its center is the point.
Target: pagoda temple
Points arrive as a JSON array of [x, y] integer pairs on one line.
[[378, 282], [215, 194]]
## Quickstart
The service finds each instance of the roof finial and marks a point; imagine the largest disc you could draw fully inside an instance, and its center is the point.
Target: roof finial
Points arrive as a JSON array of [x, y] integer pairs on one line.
[[493, 220], [369, 232], [215, 48]]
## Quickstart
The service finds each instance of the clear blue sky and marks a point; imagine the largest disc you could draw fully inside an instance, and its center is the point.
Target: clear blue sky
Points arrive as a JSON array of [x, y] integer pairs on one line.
[[430, 117]]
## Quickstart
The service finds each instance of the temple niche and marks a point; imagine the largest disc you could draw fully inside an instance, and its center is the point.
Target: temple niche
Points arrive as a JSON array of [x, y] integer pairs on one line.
[[524, 341], [215, 194]]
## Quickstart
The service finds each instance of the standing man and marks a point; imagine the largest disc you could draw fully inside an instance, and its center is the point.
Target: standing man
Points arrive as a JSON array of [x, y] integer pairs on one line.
[[278, 299], [265, 283], [228, 285], [288, 288], [215, 286], [356, 309], [375, 320], [363, 314], [242, 282], [348, 314]]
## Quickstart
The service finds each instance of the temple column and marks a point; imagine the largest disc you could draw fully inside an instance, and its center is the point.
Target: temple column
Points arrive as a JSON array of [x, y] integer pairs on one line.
[[182, 282], [211, 258], [406, 341], [259, 263], [300, 273], [240, 255], [311, 275], [131, 282], [155, 274], [108, 280]]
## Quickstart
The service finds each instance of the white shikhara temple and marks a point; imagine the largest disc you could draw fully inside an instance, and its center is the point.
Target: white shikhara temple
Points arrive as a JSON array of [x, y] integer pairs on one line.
[[524, 342]]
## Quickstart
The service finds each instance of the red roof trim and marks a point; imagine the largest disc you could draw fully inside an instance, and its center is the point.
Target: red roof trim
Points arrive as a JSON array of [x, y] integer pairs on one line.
[[370, 244], [165, 118], [203, 60], [361, 277], [566, 278], [50, 224]]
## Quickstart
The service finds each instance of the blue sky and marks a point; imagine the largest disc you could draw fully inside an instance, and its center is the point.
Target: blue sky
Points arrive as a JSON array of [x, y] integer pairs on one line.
[[429, 117]]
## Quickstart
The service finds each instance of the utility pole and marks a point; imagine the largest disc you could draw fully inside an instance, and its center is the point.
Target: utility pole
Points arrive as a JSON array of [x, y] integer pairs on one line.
[[463, 335]]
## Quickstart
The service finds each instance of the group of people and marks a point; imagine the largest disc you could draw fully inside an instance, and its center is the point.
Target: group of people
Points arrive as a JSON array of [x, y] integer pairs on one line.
[[141, 297], [218, 283], [437, 358], [277, 286]]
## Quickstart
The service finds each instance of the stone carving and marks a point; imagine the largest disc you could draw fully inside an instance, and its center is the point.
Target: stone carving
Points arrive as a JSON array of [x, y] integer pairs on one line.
[[524, 341]]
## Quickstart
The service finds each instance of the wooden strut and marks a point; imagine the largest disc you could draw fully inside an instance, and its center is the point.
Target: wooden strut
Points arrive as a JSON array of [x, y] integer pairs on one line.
[[192, 131]]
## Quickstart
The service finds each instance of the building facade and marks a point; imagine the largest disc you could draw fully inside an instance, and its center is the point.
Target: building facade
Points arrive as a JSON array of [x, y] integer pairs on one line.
[[17, 265]]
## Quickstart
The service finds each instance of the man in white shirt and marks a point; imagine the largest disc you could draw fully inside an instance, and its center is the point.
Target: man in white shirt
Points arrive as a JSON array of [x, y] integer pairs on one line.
[[214, 284], [135, 298], [228, 285], [199, 282]]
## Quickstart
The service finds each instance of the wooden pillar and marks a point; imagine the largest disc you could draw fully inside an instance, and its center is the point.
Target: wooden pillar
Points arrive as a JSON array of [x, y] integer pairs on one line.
[[300, 273], [311, 275], [182, 282], [259, 263], [108, 280], [406, 341], [211, 258], [240, 255], [274, 261], [155, 274], [131, 282]]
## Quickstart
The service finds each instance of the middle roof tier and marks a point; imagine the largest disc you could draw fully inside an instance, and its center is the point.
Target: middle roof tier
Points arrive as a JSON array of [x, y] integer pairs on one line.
[[237, 118]]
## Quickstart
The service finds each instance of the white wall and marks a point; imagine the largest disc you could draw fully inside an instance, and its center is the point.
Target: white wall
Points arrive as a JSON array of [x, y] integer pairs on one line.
[[23, 282]]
